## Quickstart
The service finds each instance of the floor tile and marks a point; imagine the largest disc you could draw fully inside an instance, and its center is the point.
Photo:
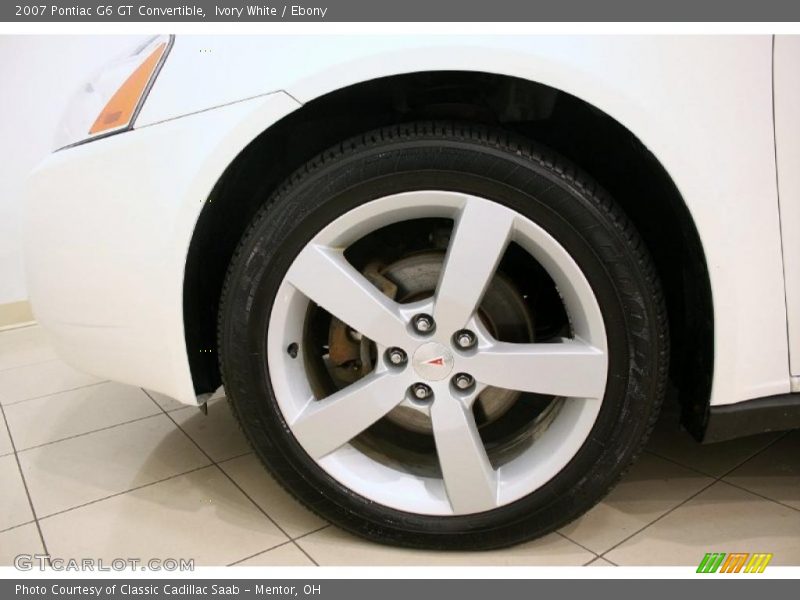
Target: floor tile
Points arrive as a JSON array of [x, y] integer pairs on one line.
[[82, 469], [332, 546], [14, 506], [20, 540], [66, 414], [200, 516], [5, 441], [217, 432], [670, 441], [287, 555], [24, 346], [43, 379], [651, 488], [248, 472], [601, 562], [165, 402], [775, 473], [720, 519]]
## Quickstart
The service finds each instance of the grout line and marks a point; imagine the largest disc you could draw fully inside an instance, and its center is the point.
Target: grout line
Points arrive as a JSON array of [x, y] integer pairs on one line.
[[714, 481], [705, 475], [38, 362], [679, 464], [744, 489], [596, 555], [161, 408], [17, 526], [133, 489], [230, 458], [313, 531], [246, 495], [721, 477], [241, 560], [24, 483], [77, 435], [181, 405], [80, 387], [177, 408], [781, 434], [164, 410], [303, 550], [657, 519]]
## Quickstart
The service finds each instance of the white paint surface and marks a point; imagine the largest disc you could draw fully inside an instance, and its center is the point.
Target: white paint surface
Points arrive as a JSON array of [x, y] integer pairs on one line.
[[787, 137], [38, 75]]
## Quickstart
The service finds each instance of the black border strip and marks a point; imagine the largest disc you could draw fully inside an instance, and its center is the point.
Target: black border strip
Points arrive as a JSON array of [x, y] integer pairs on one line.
[[442, 11]]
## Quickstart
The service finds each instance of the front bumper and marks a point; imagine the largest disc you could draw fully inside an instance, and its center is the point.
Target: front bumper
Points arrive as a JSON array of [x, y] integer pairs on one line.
[[107, 231]]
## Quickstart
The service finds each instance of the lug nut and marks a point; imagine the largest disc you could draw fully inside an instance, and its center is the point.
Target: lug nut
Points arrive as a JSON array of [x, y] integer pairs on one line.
[[465, 339], [423, 323], [396, 356], [420, 391], [463, 381]]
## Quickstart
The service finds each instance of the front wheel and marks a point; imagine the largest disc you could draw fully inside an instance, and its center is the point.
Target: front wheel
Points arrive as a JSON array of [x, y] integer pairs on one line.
[[439, 336]]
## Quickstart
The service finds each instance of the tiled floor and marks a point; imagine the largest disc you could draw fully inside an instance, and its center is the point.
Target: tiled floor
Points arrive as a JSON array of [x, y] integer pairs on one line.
[[98, 469]]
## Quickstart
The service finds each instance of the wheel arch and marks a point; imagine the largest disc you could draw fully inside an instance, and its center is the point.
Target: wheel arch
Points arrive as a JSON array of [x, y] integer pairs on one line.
[[603, 146]]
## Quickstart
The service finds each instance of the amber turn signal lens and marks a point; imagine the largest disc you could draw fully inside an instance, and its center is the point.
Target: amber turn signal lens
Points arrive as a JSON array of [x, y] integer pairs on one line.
[[119, 110]]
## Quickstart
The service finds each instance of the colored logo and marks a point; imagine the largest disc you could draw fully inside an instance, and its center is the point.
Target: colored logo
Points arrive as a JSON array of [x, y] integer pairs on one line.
[[432, 361], [735, 562]]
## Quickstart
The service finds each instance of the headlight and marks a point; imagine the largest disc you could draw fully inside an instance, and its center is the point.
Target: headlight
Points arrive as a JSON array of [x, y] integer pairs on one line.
[[111, 100]]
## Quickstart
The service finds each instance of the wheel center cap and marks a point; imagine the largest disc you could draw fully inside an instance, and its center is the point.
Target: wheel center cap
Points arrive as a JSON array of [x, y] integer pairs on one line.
[[433, 361]]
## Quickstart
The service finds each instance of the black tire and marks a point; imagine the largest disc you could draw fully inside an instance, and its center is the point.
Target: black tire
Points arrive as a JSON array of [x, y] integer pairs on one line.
[[492, 164]]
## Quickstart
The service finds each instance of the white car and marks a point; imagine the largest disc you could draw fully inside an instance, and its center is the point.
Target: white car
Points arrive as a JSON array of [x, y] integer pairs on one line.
[[445, 281]]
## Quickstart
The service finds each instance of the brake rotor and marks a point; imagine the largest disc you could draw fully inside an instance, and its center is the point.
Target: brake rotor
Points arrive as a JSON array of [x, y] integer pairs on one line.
[[502, 311]]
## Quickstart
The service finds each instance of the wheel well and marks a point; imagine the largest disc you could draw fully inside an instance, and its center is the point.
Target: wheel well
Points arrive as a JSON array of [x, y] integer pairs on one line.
[[587, 136]]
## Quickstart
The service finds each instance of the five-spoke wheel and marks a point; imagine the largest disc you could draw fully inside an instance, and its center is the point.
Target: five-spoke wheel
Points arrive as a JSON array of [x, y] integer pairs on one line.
[[452, 356]]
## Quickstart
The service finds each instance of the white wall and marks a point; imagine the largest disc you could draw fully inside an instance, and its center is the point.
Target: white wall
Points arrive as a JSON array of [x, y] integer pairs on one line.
[[37, 77]]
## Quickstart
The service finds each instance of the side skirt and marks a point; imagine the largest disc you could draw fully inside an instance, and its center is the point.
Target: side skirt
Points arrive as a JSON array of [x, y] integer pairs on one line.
[[761, 415]]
